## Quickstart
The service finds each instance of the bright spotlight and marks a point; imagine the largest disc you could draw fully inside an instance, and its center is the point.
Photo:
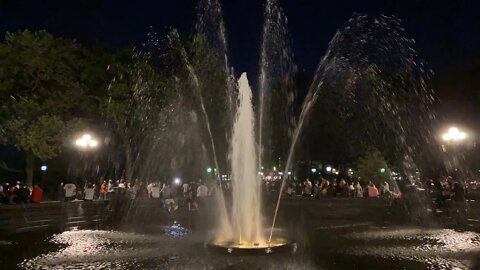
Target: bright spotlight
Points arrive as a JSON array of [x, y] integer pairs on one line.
[[177, 181], [93, 143], [86, 141], [454, 134]]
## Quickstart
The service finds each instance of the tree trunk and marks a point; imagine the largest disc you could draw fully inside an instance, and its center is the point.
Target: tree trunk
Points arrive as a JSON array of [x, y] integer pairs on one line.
[[29, 167], [128, 162]]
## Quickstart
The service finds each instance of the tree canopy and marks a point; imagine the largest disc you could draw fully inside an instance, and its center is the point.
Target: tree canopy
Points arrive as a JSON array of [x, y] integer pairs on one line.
[[39, 84]]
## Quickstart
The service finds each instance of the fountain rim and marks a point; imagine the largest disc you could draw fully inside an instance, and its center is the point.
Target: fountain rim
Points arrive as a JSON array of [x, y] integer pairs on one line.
[[283, 244]]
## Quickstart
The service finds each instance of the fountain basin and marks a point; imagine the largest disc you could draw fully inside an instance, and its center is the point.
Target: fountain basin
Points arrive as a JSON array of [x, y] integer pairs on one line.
[[279, 244]]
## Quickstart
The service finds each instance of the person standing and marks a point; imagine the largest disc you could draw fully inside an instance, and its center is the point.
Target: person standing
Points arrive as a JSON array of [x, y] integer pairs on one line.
[[185, 189], [316, 190], [372, 190], [22, 194], [193, 187], [168, 196], [155, 191], [61, 193], [385, 188], [110, 189], [70, 191], [89, 192], [149, 189], [307, 190], [202, 190], [37, 194], [192, 204], [358, 190], [103, 190]]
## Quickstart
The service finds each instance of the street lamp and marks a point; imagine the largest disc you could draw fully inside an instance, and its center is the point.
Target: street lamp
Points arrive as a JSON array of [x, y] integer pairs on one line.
[[329, 168], [86, 142], [177, 181], [453, 135]]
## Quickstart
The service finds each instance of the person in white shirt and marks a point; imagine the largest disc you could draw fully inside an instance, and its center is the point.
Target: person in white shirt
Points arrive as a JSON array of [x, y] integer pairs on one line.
[[185, 189], [89, 192], [202, 190], [70, 191], [155, 191], [149, 189]]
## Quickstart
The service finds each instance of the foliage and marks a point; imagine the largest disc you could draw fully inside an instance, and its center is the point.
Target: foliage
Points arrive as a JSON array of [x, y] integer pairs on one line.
[[133, 104], [39, 88], [369, 167]]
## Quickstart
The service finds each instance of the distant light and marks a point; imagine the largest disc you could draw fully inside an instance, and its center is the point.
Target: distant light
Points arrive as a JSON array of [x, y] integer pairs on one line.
[[177, 181], [329, 168], [289, 173], [86, 141], [43, 168], [314, 170], [209, 170], [274, 168], [336, 172], [350, 170], [93, 143], [81, 142], [86, 137], [281, 173], [382, 170], [454, 134]]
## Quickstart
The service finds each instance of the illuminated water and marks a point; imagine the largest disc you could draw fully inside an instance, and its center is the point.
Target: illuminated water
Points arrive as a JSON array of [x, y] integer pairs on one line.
[[246, 216], [340, 247]]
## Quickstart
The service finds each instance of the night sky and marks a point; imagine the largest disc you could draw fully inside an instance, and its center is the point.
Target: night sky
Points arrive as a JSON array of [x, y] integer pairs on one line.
[[447, 33]]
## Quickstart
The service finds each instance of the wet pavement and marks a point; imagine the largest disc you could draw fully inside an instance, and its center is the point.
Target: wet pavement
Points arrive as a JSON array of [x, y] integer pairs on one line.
[[361, 246]]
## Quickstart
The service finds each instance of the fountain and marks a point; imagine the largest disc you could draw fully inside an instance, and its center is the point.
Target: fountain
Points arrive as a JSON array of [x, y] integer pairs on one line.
[[370, 67], [352, 60], [246, 231]]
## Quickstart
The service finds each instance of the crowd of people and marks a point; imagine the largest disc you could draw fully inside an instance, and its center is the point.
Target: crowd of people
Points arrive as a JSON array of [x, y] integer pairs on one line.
[[334, 187], [447, 193], [169, 193], [192, 194], [19, 193], [340, 188]]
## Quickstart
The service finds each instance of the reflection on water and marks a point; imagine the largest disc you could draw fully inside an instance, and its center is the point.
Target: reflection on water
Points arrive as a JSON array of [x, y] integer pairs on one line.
[[175, 247], [409, 248]]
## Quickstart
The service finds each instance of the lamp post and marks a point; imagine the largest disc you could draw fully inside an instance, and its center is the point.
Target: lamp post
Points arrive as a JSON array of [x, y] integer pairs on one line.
[[454, 137], [86, 143]]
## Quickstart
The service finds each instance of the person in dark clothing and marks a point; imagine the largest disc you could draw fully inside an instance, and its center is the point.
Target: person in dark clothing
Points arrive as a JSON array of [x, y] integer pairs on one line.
[[458, 197], [60, 193], [193, 189], [22, 194]]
